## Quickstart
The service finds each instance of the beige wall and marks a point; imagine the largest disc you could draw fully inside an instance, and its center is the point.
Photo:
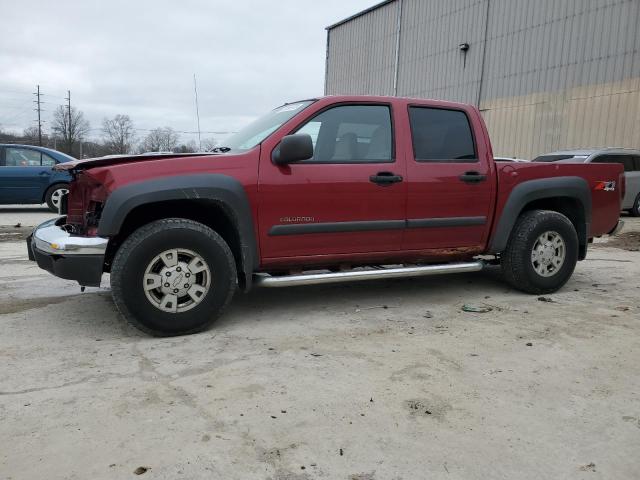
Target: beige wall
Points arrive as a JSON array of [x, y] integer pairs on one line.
[[604, 115]]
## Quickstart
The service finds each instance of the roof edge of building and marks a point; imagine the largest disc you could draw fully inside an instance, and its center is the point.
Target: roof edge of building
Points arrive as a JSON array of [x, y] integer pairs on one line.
[[359, 14]]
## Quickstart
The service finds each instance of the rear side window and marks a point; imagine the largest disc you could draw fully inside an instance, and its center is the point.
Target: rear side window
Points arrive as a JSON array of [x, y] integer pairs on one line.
[[441, 135], [351, 134], [636, 164], [625, 160], [22, 157]]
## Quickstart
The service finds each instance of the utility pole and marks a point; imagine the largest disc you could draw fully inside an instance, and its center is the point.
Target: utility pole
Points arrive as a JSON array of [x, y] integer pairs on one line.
[[195, 89], [37, 102], [68, 132]]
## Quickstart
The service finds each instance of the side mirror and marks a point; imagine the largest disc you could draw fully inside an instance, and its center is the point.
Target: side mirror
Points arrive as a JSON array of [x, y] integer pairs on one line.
[[293, 148]]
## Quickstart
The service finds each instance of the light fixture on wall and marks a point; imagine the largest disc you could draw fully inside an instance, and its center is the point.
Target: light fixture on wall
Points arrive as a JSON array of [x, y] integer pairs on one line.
[[464, 48]]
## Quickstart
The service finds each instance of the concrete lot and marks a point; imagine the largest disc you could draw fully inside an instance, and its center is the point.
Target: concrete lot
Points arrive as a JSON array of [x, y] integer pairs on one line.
[[383, 380]]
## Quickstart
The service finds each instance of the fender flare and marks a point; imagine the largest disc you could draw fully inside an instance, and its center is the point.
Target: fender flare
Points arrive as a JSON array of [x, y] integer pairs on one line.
[[222, 189], [526, 192]]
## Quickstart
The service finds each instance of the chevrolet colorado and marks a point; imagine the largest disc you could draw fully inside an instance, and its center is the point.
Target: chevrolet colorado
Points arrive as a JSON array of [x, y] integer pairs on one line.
[[330, 189]]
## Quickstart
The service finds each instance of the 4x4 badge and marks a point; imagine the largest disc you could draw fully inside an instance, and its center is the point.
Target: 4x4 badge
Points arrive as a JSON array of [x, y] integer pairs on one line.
[[607, 186]]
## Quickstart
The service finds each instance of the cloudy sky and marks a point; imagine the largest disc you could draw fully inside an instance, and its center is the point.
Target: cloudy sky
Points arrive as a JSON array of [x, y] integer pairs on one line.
[[138, 57]]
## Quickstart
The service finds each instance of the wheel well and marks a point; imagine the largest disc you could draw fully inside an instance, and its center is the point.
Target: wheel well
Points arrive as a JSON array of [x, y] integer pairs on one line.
[[208, 212], [571, 208], [46, 190]]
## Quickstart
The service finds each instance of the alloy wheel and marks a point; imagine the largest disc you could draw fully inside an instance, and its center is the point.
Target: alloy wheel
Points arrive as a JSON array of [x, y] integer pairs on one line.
[[176, 280]]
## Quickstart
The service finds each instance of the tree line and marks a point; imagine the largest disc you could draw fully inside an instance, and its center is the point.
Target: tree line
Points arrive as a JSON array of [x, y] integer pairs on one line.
[[70, 129]]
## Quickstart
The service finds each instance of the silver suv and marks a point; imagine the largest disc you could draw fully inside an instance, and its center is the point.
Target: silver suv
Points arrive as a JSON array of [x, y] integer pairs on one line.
[[626, 156]]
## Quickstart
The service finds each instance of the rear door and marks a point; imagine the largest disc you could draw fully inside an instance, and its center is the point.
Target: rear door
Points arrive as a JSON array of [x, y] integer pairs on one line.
[[451, 181], [23, 178], [338, 202]]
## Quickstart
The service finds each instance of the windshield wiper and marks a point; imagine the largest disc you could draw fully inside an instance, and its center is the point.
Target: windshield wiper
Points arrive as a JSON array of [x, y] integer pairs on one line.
[[221, 150]]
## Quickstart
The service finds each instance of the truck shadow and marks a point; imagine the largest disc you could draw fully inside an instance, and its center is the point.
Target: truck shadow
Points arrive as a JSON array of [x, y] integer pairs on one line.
[[281, 304]]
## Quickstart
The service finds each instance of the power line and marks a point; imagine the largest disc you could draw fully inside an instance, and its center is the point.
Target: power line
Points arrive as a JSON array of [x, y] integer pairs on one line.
[[18, 115], [176, 131]]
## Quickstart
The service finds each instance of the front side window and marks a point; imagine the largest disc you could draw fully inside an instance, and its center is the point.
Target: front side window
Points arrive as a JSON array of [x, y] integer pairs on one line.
[[47, 161], [22, 157], [441, 135], [351, 134]]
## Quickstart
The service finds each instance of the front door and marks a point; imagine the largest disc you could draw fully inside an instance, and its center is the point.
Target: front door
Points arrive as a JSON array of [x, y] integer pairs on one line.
[[451, 183], [23, 178], [350, 198]]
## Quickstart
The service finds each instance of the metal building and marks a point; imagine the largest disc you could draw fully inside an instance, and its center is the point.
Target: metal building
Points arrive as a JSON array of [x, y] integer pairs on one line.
[[547, 74]]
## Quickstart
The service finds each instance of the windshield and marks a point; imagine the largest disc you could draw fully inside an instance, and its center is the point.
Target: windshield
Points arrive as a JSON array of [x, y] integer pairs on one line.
[[64, 157], [560, 158], [259, 129]]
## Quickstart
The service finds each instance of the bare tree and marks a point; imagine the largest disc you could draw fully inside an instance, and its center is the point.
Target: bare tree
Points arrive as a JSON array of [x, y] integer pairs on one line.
[[70, 128], [118, 134], [160, 140], [209, 144], [30, 135], [189, 147]]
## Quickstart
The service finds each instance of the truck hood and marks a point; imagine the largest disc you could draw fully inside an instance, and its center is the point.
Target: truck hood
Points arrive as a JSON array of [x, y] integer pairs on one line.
[[117, 159]]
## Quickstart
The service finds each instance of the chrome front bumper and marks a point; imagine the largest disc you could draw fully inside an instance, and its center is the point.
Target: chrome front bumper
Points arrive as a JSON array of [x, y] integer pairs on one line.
[[50, 237], [66, 255]]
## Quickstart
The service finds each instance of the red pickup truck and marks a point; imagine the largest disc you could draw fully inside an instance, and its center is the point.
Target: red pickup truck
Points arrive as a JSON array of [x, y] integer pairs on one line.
[[323, 190]]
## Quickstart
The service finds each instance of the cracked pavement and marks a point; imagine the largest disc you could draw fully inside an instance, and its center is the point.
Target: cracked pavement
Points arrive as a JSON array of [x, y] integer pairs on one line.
[[326, 378]]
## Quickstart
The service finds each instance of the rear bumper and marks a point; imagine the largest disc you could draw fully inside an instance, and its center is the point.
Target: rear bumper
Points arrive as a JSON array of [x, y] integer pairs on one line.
[[65, 255]]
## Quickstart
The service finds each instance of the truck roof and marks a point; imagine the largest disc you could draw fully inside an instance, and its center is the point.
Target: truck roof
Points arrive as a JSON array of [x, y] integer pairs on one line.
[[388, 99]]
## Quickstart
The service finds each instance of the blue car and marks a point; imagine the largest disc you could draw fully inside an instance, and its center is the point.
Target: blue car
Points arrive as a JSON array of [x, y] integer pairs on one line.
[[27, 175]]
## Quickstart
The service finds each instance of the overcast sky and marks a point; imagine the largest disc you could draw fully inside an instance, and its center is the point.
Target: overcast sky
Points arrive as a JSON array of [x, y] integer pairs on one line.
[[138, 57]]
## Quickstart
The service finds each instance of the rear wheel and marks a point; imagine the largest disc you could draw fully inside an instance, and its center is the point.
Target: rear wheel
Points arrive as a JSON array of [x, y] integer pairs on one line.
[[635, 210], [54, 195], [173, 277], [542, 252]]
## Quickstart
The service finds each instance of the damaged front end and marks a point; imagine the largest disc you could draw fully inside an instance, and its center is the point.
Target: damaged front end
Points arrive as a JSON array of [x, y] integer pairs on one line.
[[68, 246]]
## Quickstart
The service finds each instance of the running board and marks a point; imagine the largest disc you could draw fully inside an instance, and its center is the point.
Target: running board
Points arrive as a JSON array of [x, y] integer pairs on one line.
[[264, 280]]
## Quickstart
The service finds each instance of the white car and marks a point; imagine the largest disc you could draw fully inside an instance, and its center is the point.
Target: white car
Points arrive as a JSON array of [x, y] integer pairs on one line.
[[629, 158], [509, 159]]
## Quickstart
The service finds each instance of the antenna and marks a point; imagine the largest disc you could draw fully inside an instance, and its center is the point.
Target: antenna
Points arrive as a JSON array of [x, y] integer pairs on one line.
[[195, 90]]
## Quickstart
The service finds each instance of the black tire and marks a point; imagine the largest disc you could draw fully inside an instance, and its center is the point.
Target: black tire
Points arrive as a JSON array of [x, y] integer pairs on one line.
[[145, 244], [635, 210], [516, 263], [50, 196]]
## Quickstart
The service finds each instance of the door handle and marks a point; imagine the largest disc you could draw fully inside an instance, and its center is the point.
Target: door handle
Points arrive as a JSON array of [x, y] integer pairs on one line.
[[472, 177], [44, 172], [385, 178]]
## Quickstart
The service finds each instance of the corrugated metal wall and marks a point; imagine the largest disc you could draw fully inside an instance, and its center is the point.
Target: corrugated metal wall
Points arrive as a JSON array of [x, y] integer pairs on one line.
[[548, 74], [431, 64], [361, 53]]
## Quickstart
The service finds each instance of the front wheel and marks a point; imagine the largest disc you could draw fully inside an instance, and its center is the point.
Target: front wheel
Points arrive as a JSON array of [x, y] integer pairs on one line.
[[542, 252], [54, 196], [173, 277]]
